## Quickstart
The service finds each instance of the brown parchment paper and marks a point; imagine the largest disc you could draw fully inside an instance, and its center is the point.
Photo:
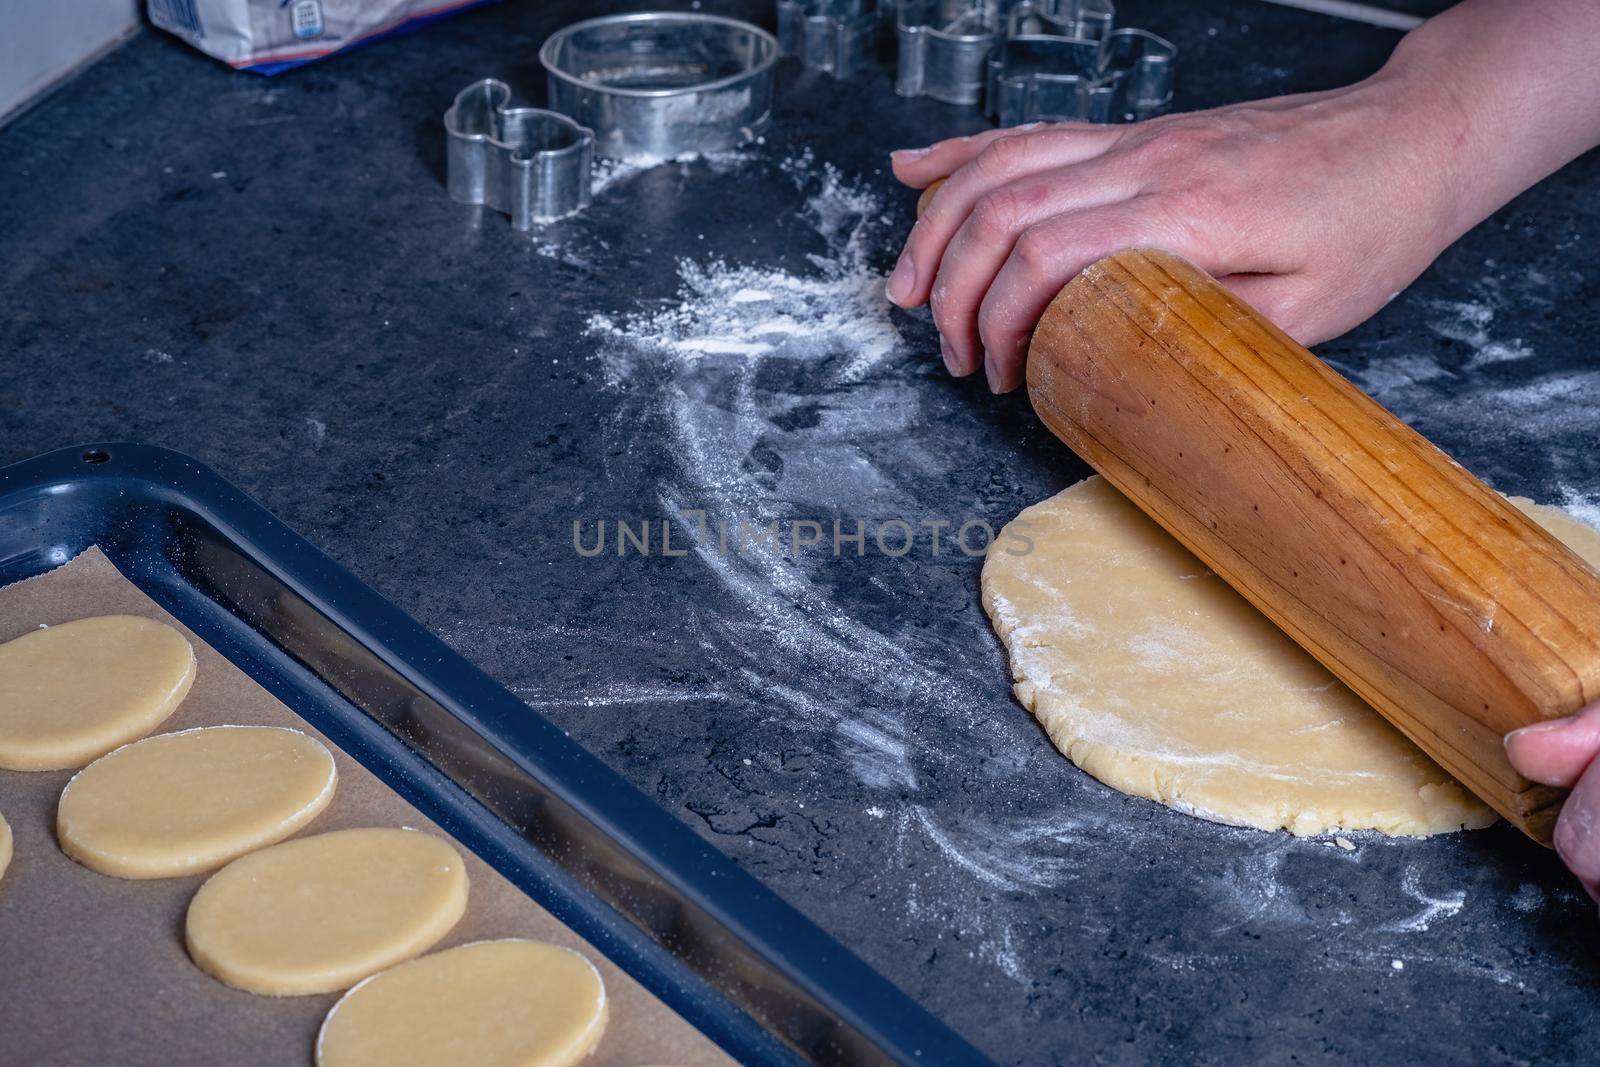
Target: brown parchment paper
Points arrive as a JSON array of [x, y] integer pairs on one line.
[[93, 969]]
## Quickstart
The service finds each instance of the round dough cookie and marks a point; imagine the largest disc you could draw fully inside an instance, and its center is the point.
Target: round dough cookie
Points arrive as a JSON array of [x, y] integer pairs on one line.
[[187, 802], [319, 914], [1153, 675], [5, 846], [491, 1003], [73, 692]]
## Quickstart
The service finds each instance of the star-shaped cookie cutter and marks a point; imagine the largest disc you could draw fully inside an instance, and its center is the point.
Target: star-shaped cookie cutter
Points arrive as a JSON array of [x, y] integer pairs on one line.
[[529, 163]]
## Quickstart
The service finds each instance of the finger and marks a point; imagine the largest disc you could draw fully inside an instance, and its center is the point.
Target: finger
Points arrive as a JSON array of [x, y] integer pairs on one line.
[[918, 167], [1261, 291], [985, 239], [1577, 836], [1005, 159], [1559, 751], [1049, 255], [1302, 305], [1282, 298]]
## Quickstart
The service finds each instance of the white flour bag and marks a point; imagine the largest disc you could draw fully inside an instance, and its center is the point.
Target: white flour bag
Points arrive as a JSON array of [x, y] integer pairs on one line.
[[268, 36]]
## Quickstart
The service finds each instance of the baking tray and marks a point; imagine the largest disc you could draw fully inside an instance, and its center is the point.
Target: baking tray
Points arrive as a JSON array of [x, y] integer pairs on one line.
[[719, 948]]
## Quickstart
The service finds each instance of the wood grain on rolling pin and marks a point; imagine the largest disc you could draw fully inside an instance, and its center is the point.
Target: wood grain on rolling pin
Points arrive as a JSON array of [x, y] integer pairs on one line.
[[1420, 587]]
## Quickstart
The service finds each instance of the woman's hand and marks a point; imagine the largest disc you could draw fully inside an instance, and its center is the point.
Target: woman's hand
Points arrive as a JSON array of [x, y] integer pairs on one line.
[[1316, 209], [1562, 753]]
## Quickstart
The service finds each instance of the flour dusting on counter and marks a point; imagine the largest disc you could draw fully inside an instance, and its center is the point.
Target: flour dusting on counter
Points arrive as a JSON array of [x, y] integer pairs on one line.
[[612, 173], [834, 311]]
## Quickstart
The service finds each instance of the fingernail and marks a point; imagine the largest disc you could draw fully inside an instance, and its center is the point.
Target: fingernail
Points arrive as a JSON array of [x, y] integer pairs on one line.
[[910, 154], [991, 372], [949, 355], [1539, 728], [903, 279]]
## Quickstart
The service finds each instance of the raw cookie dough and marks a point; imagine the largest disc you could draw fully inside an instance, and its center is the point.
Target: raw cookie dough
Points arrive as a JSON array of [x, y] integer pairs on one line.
[[73, 692], [319, 914], [1154, 676], [188, 802], [491, 1004], [5, 846]]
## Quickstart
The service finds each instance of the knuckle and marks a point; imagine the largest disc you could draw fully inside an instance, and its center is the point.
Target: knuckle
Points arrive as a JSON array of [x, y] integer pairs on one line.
[[995, 214], [1035, 250], [1000, 335], [1182, 219], [1003, 155], [945, 307], [1205, 199], [1180, 142]]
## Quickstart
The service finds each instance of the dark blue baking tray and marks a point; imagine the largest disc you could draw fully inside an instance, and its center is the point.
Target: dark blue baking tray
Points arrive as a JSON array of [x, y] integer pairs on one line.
[[722, 950]]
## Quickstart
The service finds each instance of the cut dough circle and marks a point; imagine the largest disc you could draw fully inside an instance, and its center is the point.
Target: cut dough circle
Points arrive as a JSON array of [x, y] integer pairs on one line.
[[491, 1004], [73, 692], [188, 802], [318, 914], [5, 846], [1150, 673]]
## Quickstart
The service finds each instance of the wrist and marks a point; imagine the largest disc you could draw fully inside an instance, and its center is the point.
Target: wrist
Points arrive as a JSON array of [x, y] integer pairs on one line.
[[1488, 90], [1438, 138]]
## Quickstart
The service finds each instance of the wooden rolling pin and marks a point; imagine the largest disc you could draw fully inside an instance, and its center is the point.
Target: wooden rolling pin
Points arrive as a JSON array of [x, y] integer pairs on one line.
[[1419, 586]]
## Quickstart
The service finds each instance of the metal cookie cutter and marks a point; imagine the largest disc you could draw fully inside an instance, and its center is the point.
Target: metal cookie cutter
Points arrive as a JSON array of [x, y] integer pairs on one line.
[[1143, 63], [835, 36], [529, 163], [1044, 78], [661, 84], [943, 48], [1084, 20]]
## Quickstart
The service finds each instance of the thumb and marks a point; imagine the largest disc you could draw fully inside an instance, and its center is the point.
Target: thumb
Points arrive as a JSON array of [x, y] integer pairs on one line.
[[1556, 752], [1280, 297]]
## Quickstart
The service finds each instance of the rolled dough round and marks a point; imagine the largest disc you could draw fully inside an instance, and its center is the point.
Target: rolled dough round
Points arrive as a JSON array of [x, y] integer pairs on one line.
[[1155, 677], [5, 846], [73, 692], [491, 1004], [319, 914], [187, 802]]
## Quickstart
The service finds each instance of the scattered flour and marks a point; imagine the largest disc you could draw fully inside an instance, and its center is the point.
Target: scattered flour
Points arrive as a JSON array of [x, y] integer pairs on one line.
[[610, 173], [1468, 322], [1582, 506], [835, 312], [1434, 908]]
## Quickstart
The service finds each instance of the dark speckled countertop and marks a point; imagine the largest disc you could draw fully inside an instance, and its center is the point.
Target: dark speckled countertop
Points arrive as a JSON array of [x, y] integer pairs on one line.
[[267, 274]]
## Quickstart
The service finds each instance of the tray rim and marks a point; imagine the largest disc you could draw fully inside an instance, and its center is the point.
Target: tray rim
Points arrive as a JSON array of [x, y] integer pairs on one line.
[[855, 994]]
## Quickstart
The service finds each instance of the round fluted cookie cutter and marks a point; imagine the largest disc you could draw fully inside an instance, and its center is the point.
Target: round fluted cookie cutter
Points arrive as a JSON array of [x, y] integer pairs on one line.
[[662, 84]]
